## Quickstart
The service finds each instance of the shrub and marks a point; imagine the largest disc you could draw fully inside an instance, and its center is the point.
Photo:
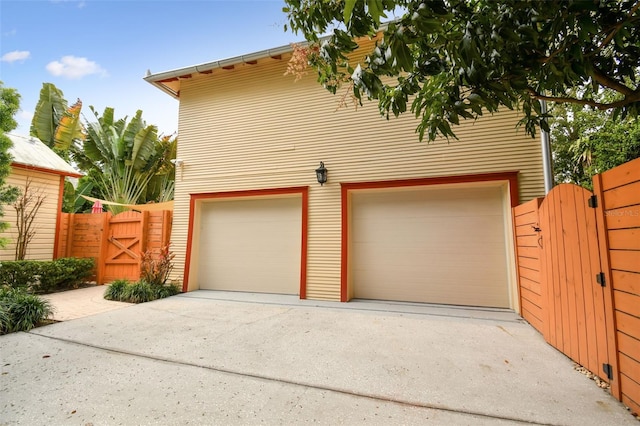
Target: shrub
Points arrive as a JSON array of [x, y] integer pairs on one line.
[[139, 292], [46, 276], [154, 274], [19, 273], [156, 267], [166, 290], [116, 290], [64, 274], [21, 311]]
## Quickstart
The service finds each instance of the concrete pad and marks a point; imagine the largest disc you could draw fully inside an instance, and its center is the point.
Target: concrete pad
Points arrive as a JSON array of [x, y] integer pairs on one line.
[[195, 358], [82, 302]]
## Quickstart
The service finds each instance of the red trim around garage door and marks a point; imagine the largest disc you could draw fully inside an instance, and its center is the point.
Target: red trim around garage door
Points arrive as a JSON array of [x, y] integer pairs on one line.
[[511, 177], [275, 192]]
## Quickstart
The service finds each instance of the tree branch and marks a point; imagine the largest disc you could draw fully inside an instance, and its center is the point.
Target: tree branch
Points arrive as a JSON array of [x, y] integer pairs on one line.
[[618, 27], [589, 102], [609, 82]]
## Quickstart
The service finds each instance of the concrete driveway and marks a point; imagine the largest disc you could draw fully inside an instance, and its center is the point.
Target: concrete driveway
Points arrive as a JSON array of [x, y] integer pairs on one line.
[[230, 358]]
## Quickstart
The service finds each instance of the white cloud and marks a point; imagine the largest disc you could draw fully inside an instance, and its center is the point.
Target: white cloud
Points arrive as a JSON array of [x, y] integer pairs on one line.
[[74, 68], [16, 56]]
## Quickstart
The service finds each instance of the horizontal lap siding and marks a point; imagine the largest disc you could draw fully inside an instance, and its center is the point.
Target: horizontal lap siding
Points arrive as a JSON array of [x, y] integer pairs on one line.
[[621, 200], [253, 128], [44, 225]]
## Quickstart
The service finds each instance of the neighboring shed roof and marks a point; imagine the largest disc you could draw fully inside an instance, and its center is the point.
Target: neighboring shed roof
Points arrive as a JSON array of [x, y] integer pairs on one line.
[[30, 153]]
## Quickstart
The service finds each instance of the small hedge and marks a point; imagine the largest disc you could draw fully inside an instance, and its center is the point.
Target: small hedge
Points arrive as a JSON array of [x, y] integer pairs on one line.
[[139, 292], [42, 277]]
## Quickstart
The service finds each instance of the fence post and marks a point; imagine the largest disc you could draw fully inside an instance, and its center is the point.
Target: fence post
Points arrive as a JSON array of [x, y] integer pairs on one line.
[[104, 245], [70, 230], [609, 304], [166, 227]]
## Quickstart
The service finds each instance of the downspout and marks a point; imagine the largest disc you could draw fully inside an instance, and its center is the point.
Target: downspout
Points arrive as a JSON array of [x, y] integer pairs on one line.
[[547, 167]]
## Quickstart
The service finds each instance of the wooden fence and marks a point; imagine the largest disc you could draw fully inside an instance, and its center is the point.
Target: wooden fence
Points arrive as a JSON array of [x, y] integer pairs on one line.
[[578, 263], [115, 242]]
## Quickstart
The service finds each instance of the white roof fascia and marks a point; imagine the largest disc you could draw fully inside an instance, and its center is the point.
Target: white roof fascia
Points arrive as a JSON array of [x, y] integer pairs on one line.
[[156, 79]]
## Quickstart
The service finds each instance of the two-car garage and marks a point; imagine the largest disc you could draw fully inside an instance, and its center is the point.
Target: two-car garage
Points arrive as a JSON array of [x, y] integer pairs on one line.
[[443, 244]]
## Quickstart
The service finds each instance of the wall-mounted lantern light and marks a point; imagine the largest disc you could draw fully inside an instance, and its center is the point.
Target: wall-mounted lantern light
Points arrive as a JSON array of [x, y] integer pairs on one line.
[[321, 174]]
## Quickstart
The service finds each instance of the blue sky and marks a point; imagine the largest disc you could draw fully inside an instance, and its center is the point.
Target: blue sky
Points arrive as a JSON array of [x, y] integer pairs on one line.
[[100, 50]]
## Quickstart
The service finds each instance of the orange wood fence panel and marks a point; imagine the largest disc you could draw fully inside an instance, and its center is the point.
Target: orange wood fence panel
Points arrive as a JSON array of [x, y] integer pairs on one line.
[[80, 236], [618, 195], [116, 242], [528, 244], [587, 299], [575, 302]]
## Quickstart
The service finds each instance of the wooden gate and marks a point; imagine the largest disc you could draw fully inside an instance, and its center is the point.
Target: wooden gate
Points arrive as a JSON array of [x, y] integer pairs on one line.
[[575, 300], [125, 244], [578, 263], [115, 242]]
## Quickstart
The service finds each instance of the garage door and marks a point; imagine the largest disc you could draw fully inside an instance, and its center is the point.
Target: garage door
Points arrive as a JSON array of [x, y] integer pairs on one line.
[[251, 245], [430, 244]]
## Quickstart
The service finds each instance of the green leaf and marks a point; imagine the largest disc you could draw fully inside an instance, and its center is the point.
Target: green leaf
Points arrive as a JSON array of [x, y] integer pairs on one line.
[[70, 127], [348, 9], [49, 111]]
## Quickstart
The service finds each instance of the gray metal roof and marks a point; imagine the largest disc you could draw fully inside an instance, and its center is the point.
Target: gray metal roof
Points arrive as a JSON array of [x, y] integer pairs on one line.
[[32, 153]]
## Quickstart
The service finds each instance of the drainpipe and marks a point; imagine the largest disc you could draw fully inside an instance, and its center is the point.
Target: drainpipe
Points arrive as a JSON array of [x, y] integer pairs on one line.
[[547, 167]]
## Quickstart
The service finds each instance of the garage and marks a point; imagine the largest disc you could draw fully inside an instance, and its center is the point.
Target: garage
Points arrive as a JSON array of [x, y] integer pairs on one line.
[[443, 244], [250, 244]]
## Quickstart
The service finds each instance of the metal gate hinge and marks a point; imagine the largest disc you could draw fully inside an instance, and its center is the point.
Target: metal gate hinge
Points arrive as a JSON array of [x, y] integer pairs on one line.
[[593, 201], [608, 370], [600, 279]]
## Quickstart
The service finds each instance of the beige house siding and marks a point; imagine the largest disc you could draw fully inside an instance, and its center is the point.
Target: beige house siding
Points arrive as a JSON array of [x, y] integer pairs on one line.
[[47, 185], [252, 128]]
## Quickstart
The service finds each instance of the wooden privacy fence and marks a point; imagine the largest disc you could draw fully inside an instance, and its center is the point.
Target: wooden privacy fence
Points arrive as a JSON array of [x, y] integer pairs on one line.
[[115, 242], [578, 263]]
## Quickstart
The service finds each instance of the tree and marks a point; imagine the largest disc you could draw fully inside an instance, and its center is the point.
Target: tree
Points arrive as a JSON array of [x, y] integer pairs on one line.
[[127, 156], [459, 59], [586, 142], [26, 206], [9, 106]]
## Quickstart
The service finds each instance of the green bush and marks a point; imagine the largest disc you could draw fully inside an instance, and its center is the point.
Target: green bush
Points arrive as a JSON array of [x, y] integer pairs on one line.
[[139, 292], [19, 273], [46, 276], [64, 274], [21, 311], [156, 266], [116, 290], [166, 290], [154, 272]]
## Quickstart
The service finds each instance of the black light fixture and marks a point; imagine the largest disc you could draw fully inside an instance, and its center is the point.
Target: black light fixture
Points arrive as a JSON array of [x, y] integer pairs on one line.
[[321, 173]]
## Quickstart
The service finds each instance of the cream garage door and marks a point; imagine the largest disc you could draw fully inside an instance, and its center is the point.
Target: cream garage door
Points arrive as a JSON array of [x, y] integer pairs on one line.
[[251, 245], [434, 244]]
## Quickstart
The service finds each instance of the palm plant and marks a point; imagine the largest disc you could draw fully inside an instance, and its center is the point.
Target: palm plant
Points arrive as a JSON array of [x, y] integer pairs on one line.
[[129, 154]]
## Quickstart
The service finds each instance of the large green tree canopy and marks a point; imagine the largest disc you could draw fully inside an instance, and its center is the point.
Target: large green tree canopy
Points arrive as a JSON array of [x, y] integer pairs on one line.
[[458, 59], [9, 106]]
